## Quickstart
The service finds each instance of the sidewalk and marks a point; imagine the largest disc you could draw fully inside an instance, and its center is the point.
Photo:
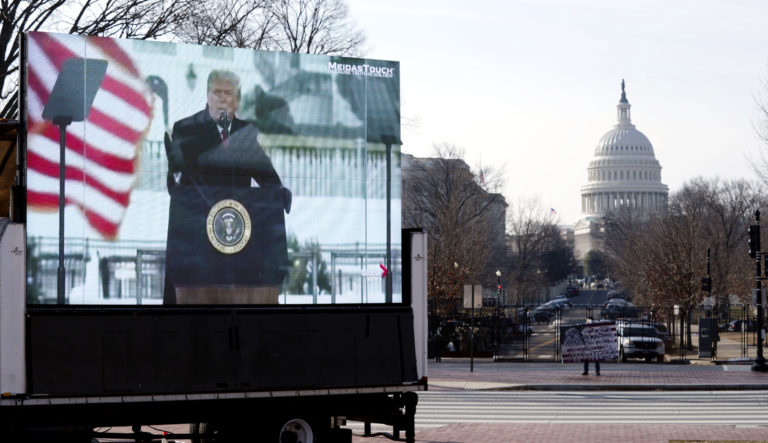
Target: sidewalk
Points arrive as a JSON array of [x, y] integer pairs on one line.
[[454, 374], [581, 433]]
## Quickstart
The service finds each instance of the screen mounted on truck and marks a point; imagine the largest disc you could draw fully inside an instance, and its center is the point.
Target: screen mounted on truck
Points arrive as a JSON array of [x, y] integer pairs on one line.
[[209, 175]]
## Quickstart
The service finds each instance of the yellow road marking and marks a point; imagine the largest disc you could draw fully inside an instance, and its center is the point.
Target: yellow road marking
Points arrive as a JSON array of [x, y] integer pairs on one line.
[[541, 345]]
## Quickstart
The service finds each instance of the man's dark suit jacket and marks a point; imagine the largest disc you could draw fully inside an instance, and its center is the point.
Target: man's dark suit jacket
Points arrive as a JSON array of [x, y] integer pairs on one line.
[[203, 170], [198, 153]]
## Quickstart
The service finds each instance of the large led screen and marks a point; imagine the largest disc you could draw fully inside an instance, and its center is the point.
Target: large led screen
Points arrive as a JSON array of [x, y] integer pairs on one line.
[[209, 175]]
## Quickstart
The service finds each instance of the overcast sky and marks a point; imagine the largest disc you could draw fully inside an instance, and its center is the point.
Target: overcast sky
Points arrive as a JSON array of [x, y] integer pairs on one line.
[[533, 85]]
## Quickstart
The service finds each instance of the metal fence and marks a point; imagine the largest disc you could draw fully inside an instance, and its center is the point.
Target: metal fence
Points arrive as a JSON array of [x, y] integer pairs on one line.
[[525, 333], [134, 272]]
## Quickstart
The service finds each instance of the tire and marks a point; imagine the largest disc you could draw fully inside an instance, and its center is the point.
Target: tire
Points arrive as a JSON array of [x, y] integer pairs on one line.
[[296, 430], [199, 432], [648, 359], [660, 359]]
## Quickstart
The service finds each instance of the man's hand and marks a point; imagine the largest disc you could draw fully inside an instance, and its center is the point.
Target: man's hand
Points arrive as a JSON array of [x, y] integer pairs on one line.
[[173, 151]]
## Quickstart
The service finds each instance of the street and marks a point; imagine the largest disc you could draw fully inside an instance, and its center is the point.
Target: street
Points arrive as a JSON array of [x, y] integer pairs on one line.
[[544, 401], [605, 407], [552, 402], [631, 402]]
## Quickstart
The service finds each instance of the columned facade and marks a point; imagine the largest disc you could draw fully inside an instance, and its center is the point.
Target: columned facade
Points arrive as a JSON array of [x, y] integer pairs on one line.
[[623, 172], [604, 202]]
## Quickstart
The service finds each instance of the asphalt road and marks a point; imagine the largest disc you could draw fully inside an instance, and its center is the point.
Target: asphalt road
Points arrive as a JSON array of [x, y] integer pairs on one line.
[[484, 417]]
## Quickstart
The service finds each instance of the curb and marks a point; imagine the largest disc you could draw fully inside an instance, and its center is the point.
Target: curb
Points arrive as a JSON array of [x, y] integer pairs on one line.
[[697, 387]]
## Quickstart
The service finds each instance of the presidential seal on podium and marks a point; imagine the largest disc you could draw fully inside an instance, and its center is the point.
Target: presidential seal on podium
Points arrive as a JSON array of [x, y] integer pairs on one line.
[[228, 226]]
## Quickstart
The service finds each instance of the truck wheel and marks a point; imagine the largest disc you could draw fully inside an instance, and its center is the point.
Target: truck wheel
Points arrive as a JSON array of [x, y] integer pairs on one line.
[[296, 430], [199, 432], [660, 358]]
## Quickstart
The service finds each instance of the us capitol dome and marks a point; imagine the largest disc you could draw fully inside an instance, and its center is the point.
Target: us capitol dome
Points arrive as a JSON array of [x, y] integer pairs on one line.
[[623, 172]]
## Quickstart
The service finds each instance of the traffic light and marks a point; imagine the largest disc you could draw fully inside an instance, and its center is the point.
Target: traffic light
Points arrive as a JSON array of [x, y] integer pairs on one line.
[[706, 284], [754, 240]]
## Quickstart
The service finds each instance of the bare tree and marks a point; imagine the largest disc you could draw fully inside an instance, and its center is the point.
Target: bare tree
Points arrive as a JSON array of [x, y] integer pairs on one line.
[[760, 165], [662, 259], [307, 26], [464, 221], [316, 27], [537, 254], [730, 206], [140, 19], [233, 23], [705, 213]]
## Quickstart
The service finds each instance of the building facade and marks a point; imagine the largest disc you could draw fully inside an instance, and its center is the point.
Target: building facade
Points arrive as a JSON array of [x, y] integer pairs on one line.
[[623, 172]]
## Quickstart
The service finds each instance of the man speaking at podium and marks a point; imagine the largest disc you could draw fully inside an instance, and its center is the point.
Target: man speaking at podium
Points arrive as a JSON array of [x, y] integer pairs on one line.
[[226, 226]]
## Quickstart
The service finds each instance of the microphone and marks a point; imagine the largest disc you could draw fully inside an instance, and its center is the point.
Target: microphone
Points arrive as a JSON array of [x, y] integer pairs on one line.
[[224, 123]]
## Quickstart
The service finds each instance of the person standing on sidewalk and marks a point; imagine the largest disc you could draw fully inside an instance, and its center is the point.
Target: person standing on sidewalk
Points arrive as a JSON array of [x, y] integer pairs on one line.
[[589, 351]]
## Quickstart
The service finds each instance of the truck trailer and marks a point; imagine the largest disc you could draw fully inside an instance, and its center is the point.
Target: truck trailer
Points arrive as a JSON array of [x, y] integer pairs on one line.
[[258, 287]]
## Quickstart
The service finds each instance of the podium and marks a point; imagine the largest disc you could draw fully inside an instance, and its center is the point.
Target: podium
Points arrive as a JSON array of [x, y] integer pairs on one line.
[[226, 244], [226, 223]]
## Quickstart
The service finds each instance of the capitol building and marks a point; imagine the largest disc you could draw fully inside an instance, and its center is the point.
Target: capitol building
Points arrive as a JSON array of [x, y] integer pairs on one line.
[[623, 172]]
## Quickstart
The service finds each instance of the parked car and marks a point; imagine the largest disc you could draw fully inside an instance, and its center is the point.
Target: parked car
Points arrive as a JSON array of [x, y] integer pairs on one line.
[[615, 311], [616, 294], [739, 325], [542, 314], [558, 303], [521, 329], [572, 291], [638, 340]]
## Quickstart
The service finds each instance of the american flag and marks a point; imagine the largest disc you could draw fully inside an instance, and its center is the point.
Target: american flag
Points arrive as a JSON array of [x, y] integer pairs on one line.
[[102, 152]]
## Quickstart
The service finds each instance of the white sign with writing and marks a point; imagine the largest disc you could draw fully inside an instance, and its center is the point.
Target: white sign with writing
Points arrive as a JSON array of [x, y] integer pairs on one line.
[[589, 342]]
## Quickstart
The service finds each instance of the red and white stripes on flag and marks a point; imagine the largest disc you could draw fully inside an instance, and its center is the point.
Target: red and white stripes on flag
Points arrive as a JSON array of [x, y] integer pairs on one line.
[[102, 152]]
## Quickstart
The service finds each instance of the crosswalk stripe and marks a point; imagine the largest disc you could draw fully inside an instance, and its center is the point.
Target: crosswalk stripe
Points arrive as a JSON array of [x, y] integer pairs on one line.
[[440, 408]]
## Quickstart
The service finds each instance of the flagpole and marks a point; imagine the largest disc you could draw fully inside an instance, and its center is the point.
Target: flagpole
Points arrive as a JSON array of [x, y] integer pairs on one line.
[[62, 123]]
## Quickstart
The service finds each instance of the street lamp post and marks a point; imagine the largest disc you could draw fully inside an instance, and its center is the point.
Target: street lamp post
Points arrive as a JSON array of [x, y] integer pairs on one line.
[[759, 364], [500, 305], [679, 312], [540, 292], [712, 313]]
